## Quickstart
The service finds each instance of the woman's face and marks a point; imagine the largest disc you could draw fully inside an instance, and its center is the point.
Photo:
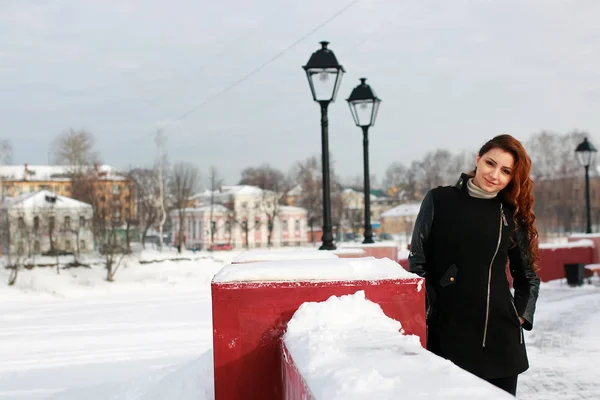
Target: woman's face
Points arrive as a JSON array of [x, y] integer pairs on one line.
[[494, 170]]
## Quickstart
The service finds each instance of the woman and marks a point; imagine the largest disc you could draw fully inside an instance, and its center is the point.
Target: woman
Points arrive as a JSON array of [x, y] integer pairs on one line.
[[463, 237]]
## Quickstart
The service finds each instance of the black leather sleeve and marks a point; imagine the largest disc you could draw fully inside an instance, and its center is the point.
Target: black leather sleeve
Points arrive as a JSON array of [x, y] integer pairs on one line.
[[417, 260], [525, 280]]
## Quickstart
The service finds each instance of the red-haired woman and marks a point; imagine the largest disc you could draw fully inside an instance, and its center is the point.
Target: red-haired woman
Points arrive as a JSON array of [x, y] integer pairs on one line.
[[463, 237]]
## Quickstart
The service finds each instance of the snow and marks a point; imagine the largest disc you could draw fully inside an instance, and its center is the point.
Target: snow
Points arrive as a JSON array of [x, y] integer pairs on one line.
[[355, 245], [403, 210], [38, 200], [342, 269], [148, 335], [76, 336], [584, 235], [39, 173], [292, 210], [349, 251], [287, 254], [347, 348], [567, 245]]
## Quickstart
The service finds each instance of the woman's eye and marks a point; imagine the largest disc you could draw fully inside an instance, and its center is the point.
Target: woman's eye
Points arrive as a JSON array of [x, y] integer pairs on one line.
[[488, 162], [506, 172]]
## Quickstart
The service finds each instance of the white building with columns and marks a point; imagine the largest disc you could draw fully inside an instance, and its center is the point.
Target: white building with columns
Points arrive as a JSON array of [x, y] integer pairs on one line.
[[241, 216], [37, 222]]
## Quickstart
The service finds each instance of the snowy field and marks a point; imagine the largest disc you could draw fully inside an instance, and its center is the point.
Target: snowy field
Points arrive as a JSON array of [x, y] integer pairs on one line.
[[148, 334]]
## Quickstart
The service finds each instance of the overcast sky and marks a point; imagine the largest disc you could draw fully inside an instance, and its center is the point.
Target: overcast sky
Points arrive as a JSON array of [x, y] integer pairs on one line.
[[451, 74]]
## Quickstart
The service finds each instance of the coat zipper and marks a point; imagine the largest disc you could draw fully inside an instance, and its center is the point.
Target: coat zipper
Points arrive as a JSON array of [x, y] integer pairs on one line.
[[489, 287], [517, 314]]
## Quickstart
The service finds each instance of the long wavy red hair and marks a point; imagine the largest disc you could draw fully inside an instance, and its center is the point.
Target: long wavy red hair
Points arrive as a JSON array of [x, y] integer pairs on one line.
[[519, 191]]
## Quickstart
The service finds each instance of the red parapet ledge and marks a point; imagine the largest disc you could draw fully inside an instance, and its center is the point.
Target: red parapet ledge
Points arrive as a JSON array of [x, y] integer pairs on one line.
[[253, 302], [294, 385], [346, 348], [553, 257], [377, 250]]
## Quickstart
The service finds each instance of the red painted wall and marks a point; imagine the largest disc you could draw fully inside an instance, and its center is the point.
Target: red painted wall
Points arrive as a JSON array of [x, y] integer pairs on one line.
[[552, 261], [594, 238], [294, 385], [250, 318], [390, 252]]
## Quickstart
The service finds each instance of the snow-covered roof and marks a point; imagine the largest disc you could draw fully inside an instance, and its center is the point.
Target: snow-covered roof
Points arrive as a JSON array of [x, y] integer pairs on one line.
[[50, 172], [403, 210], [295, 191], [292, 210], [242, 190], [45, 199], [217, 208], [232, 190], [358, 193], [205, 194]]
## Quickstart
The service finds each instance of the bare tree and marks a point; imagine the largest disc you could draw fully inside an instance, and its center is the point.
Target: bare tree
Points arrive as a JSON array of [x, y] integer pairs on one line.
[[307, 177], [111, 247], [437, 169], [559, 189], [215, 182], [263, 176], [6, 151], [75, 148], [269, 205], [147, 188], [18, 236], [274, 185], [183, 183], [395, 178]]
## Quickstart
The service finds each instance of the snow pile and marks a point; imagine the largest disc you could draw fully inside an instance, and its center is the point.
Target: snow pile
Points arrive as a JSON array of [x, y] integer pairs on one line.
[[134, 275], [367, 268], [190, 381], [347, 348], [355, 245]]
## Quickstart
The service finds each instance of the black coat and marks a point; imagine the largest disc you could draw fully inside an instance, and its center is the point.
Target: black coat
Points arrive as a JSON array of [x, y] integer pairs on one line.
[[461, 245]]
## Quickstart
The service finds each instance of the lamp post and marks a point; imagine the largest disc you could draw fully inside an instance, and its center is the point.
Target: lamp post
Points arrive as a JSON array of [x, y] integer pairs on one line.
[[586, 153], [364, 105], [324, 75]]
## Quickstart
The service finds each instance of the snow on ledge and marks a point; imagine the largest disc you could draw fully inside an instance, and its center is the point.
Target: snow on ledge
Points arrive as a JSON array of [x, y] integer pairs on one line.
[[357, 245], [567, 245], [349, 251], [347, 348], [287, 254], [337, 269], [584, 235]]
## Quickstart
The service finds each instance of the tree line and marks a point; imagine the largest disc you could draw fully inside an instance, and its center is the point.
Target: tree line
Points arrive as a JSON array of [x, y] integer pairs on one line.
[[164, 187]]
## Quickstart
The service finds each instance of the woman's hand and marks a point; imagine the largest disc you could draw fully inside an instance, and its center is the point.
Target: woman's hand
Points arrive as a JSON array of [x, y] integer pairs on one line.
[[521, 320]]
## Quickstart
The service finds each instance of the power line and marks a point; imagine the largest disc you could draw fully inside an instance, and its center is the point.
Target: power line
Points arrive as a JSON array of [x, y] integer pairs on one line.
[[260, 67], [251, 73]]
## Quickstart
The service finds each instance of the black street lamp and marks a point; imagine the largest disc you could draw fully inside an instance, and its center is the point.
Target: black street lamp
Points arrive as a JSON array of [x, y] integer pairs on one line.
[[324, 75], [364, 105], [586, 153]]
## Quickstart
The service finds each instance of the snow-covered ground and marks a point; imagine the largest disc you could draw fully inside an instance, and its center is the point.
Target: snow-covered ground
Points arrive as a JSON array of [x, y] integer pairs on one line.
[[148, 334]]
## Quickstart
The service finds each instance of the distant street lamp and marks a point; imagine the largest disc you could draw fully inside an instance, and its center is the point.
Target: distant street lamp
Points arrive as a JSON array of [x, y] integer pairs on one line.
[[586, 153], [324, 75], [364, 105]]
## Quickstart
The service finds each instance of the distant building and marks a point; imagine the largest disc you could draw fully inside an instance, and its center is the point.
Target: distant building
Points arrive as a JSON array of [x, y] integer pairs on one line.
[[400, 221], [35, 223], [241, 215], [353, 209], [113, 193]]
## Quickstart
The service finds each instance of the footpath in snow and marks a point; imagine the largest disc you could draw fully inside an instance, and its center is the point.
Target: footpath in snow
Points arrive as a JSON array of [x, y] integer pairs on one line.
[[147, 336]]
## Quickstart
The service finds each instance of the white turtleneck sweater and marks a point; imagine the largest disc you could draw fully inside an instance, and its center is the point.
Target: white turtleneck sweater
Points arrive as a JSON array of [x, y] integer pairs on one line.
[[477, 192]]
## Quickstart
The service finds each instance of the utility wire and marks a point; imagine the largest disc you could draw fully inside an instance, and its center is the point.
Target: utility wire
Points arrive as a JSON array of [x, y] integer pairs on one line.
[[260, 67]]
